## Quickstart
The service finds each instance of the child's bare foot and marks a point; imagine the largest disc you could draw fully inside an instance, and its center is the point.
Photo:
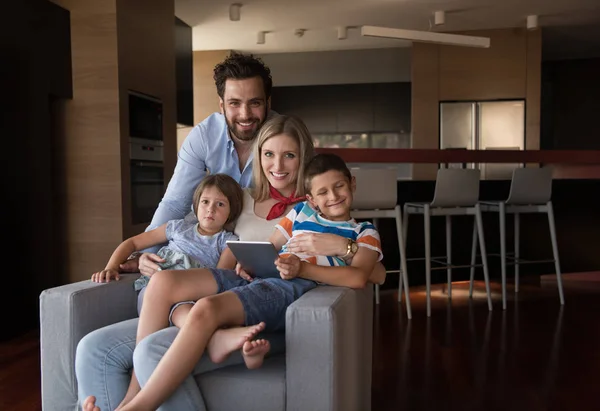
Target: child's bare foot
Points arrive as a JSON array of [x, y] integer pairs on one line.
[[254, 353], [225, 341], [90, 404]]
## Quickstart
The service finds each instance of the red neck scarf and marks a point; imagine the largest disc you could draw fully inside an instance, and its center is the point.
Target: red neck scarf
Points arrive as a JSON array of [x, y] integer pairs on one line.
[[282, 202]]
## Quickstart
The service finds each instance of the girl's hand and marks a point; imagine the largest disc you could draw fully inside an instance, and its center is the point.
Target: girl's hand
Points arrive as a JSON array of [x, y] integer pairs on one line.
[[242, 273], [148, 264], [318, 244], [288, 267], [105, 276]]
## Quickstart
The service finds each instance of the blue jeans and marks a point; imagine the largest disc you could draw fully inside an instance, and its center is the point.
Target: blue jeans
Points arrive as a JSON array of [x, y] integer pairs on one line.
[[105, 357]]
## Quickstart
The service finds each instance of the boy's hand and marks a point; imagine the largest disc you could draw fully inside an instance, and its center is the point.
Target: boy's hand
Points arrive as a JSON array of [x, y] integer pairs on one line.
[[105, 276], [288, 267], [318, 244], [242, 273]]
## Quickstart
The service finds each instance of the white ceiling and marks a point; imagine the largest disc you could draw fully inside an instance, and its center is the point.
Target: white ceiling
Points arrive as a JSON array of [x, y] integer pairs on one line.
[[212, 29]]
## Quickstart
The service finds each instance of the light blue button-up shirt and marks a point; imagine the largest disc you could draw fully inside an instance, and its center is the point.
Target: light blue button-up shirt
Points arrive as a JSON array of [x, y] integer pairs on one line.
[[207, 147]]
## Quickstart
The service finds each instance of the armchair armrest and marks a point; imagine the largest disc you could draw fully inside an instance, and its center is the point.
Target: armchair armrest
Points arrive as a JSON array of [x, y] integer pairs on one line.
[[67, 313], [329, 333]]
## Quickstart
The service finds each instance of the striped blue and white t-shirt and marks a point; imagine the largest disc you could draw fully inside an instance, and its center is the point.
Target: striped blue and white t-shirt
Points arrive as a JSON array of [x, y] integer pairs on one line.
[[305, 219]]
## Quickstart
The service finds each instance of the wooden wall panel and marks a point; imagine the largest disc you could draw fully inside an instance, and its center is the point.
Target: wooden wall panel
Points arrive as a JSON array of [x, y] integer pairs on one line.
[[468, 73], [92, 151], [206, 100], [425, 107], [533, 90]]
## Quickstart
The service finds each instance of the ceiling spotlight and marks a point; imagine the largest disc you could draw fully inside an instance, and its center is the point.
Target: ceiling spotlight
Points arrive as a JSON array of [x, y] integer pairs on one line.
[[532, 22], [342, 33], [439, 17], [260, 37], [234, 12]]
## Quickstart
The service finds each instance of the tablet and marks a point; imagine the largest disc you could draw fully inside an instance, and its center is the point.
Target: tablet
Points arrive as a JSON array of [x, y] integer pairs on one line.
[[257, 257]]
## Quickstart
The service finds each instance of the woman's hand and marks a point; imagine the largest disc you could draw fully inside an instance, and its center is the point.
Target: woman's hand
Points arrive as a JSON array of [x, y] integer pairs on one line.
[[105, 276], [147, 265], [288, 267], [242, 273], [318, 244]]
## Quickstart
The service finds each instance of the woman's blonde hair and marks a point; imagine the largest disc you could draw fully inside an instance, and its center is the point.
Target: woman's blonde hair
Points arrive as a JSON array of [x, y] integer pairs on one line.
[[290, 126]]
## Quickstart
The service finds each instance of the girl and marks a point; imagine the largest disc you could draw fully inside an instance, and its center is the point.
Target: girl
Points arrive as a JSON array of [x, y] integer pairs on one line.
[[192, 242]]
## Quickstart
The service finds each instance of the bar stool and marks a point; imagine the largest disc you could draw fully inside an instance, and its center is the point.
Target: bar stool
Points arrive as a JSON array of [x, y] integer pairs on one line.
[[530, 192], [376, 197], [456, 193]]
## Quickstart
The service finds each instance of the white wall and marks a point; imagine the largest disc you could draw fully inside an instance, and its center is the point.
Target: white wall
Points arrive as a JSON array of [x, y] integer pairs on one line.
[[339, 67]]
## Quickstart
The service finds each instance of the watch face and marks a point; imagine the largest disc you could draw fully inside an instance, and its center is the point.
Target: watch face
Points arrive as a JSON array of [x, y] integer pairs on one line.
[[354, 247]]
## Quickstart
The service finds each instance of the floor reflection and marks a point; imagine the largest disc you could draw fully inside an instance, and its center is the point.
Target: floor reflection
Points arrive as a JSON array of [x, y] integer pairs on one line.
[[467, 357]]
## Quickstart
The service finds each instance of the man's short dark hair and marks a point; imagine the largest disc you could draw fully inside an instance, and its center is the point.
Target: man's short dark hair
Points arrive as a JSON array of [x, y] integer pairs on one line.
[[322, 163], [239, 67]]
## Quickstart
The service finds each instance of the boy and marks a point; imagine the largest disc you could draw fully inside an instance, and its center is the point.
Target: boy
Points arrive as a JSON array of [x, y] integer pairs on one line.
[[330, 187]]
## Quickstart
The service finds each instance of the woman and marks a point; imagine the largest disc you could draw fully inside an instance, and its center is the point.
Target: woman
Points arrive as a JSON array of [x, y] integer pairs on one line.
[[104, 357]]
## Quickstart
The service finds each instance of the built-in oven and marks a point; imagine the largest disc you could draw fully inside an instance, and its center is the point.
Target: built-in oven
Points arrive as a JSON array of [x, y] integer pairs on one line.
[[147, 189], [146, 156]]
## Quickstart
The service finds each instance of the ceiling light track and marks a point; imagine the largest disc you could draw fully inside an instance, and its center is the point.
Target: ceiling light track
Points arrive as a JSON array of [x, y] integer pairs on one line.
[[426, 36]]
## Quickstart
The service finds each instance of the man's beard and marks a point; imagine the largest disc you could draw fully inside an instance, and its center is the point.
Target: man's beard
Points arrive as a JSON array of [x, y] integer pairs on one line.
[[244, 135]]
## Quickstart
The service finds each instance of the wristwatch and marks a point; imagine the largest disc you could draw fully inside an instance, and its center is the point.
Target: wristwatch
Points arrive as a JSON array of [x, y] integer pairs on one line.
[[352, 248], [134, 255]]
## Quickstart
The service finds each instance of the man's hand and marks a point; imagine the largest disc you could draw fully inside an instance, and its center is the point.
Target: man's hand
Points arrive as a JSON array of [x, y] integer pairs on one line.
[[288, 267], [242, 273], [148, 263], [130, 266], [105, 276]]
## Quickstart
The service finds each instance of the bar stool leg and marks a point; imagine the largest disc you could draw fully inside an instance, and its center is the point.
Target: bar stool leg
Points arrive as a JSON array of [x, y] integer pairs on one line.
[[502, 214], [555, 252], [405, 224], [517, 239], [449, 254], [473, 257], [376, 224], [426, 218], [483, 254], [403, 273]]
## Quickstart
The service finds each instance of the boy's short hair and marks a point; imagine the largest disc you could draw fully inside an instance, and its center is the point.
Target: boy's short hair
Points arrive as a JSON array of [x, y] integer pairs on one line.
[[322, 163], [229, 187]]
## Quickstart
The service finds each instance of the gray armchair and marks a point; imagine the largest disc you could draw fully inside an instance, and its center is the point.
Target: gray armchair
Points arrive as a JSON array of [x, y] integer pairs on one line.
[[327, 364]]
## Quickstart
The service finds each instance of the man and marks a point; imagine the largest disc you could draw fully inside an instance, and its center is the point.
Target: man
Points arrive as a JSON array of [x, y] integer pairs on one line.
[[222, 143]]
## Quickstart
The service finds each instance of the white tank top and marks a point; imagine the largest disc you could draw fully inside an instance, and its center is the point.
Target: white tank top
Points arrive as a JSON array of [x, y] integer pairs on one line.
[[249, 226]]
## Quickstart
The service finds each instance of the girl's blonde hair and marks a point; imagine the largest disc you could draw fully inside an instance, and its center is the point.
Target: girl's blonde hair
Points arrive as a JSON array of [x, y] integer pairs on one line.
[[230, 189], [290, 126]]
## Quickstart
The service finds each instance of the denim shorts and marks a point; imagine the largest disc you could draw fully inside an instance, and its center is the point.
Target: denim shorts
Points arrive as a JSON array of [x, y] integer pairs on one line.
[[263, 299]]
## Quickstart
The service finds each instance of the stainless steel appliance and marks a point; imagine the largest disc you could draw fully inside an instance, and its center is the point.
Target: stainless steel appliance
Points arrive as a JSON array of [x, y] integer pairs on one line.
[[146, 156], [484, 125]]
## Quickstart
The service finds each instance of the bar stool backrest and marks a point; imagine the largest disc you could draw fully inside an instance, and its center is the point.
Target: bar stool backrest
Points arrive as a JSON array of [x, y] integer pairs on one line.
[[376, 188], [530, 186], [456, 188]]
